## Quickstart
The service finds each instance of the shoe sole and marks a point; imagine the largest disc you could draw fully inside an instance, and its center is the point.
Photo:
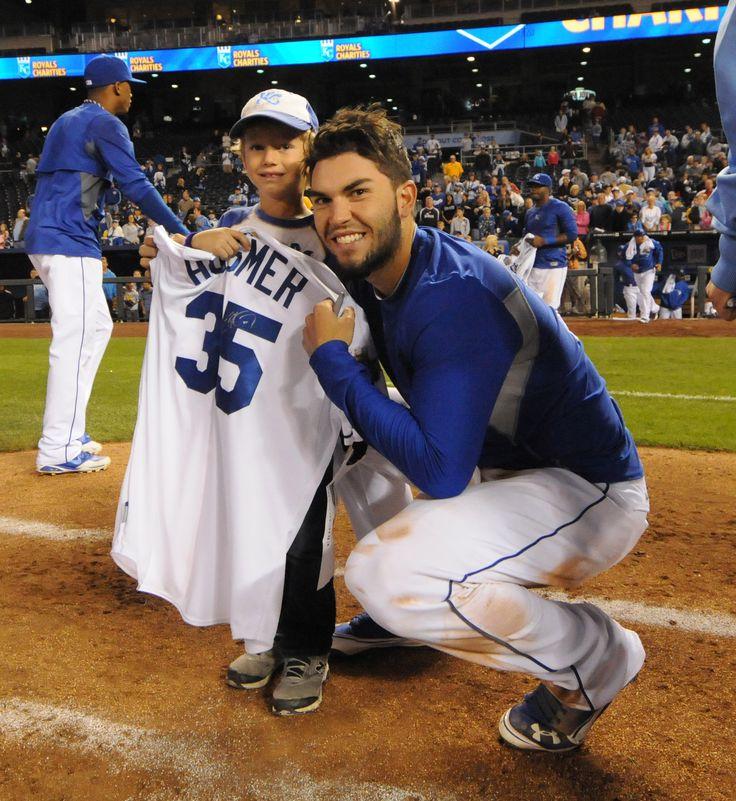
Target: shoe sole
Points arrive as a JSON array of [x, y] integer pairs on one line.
[[302, 710], [510, 736], [248, 685], [56, 472], [349, 646]]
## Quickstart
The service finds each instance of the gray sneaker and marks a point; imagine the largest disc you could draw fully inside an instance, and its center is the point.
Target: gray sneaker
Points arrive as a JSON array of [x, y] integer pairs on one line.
[[299, 689], [251, 671]]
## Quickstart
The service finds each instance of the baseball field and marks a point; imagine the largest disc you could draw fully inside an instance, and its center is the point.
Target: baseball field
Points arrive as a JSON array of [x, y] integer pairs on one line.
[[106, 695]]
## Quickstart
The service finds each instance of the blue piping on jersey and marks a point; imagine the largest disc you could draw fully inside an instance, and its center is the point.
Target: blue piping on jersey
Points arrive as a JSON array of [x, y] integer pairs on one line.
[[79, 361], [501, 642]]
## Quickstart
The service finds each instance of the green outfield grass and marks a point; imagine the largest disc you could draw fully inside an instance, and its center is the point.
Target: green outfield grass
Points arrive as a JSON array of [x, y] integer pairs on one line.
[[681, 366]]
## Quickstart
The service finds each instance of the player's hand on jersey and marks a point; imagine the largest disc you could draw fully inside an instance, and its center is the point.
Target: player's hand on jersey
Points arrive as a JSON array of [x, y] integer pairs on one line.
[[721, 299], [148, 252], [323, 325], [539, 241], [221, 242]]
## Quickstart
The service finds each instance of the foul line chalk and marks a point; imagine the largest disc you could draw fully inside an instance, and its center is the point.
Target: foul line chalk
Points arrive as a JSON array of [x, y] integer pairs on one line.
[[38, 726], [36, 528], [670, 396]]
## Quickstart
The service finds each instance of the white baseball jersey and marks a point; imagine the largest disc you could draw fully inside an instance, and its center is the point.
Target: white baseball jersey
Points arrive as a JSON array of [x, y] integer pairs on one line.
[[228, 406]]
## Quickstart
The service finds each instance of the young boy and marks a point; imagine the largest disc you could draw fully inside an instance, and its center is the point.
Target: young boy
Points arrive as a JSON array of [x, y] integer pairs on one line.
[[274, 128]]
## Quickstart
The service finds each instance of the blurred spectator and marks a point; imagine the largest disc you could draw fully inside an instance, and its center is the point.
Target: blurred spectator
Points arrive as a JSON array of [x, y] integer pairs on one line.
[[132, 232], [460, 225], [159, 178], [146, 296], [448, 209], [560, 123], [7, 304], [20, 225], [428, 216], [648, 163], [553, 159], [492, 245], [453, 169], [434, 154], [40, 298], [601, 214], [650, 214], [6, 240], [131, 299], [582, 220], [186, 204], [110, 290], [486, 223]]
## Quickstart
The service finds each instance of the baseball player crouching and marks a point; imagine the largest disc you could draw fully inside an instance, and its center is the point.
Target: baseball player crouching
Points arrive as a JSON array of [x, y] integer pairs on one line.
[[528, 474], [85, 148]]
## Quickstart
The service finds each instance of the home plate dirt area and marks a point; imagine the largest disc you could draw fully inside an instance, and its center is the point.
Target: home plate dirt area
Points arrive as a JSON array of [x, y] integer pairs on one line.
[[106, 695]]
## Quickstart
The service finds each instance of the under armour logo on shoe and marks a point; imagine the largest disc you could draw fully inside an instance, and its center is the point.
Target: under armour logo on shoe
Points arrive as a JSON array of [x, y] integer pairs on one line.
[[539, 733]]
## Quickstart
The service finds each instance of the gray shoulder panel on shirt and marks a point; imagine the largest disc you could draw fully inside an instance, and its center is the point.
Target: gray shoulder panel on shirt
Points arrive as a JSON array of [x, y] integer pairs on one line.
[[505, 414]]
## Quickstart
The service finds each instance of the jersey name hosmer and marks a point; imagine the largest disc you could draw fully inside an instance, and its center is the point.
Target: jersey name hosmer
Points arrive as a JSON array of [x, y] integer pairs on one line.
[[256, 266]]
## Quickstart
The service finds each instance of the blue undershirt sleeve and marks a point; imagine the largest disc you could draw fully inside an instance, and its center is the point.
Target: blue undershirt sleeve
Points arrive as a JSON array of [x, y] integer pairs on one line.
[[461, 344], [116, 149], [568, 224], [722, 203]]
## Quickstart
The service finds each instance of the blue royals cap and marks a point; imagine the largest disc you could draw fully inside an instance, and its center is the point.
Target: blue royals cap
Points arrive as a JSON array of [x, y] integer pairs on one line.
[[540, 179], [639, 231], [104, 70]]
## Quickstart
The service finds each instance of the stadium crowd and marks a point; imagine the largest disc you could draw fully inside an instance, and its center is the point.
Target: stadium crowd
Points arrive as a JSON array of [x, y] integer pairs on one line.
[[655, 178]]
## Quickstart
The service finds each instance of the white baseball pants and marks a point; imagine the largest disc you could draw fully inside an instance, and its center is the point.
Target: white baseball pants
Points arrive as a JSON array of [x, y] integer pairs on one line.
[[631, 295], [548, 284], [80, 328], [644, 283], [454, 573], [670, 314]]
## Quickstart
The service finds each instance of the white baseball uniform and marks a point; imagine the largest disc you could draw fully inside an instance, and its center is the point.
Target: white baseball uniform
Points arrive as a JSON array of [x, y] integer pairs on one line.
[[228, 408]]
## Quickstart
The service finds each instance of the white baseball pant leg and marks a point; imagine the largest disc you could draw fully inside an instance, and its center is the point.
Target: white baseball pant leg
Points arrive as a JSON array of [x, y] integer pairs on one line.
[[81, 328], [631, 295], [454, 573], [670, 314], [644, 283], [548, 284]]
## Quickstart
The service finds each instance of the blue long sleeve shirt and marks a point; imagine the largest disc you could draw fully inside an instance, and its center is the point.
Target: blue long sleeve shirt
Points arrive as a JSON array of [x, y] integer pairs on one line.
[[647, 261], [492, 376], [548, 221], [85, 149], [722, 203]]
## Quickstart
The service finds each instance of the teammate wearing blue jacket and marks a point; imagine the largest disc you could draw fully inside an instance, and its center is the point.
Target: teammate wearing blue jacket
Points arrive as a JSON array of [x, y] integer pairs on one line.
[[722, 203], [528, 473], [85, 149], [628, 285], [644, 255], [553, 225]]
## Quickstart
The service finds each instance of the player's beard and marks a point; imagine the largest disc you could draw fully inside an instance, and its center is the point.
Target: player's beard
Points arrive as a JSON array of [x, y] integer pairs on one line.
[[387, 233]]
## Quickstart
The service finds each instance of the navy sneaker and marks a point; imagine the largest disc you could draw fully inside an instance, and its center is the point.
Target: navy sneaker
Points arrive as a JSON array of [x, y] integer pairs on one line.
[[84, 463], [363, 633], [541, 722]]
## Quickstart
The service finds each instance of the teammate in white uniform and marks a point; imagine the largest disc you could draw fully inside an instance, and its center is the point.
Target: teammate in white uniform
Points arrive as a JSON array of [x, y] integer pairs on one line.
[[273, 130], [529, 475], [85, 148]]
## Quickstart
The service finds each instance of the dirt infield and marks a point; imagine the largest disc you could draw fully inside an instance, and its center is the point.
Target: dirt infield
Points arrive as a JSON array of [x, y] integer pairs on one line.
[[106, 695], [579, 326]]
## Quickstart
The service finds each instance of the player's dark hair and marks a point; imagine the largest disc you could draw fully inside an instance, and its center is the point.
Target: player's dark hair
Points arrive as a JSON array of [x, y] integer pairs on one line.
[[367, 131]]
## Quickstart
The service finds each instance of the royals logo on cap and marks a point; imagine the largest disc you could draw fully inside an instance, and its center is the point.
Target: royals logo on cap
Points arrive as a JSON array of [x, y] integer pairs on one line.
[[275, 104]]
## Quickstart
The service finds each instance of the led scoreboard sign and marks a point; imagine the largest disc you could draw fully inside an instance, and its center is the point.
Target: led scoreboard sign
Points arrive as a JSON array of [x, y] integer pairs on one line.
[[657, 24]]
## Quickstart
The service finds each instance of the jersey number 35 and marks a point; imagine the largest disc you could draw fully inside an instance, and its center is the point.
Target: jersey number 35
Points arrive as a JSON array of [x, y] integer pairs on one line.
[[220, 343]]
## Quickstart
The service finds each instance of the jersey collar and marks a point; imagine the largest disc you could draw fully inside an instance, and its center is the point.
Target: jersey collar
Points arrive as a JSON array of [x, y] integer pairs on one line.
[[291, 222]]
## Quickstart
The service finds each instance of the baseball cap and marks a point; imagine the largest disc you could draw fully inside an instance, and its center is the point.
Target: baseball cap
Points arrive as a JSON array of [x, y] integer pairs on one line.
[[276, 104], [104, 70], [639, 231], [541, 179]]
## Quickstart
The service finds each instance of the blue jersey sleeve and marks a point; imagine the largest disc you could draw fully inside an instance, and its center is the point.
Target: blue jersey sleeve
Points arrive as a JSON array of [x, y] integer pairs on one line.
[[722, 203], [459, 363], [116, 150], [567, 223]]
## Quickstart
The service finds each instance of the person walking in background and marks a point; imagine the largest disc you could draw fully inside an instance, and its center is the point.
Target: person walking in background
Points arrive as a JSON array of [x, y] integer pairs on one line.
[[85, 149], [552, 225], [644, 256]]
